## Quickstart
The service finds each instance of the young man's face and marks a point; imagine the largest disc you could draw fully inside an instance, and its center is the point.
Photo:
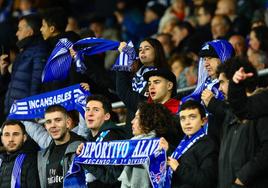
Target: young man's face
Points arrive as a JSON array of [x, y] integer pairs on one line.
[[136, 129], [224, 83], [57, 125], [46, 30], [95, 115], [202, 17], [211, 64], [159, 89], [191, 121], [12, 138]]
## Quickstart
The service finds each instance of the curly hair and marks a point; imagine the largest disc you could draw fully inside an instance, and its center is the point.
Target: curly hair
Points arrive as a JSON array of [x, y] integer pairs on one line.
[[155, 116]]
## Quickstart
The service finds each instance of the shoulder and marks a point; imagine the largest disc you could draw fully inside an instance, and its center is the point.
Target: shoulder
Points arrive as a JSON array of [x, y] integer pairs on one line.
[[76, 140], [115, 132], [205, 145]]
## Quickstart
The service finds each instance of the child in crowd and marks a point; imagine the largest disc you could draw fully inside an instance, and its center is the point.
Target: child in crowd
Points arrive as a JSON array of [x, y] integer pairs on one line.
[[194, 161]]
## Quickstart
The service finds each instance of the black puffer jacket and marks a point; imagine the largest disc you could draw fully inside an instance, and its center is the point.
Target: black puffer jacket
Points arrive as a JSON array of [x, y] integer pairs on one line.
[[25, 79], [29, 173]]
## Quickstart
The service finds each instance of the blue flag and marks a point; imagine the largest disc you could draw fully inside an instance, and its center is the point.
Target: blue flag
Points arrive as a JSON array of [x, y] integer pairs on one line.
[[71, 98]]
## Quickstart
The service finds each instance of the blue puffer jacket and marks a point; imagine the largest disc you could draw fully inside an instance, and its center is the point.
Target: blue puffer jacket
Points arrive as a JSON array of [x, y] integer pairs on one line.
[[25, 78]]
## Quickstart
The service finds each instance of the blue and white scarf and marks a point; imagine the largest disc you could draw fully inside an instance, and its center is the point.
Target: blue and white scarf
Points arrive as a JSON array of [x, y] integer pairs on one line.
[[71, 98], [138, 82], [225, 51], [124, 152], [126, 58], [59, 62], [185, 144]]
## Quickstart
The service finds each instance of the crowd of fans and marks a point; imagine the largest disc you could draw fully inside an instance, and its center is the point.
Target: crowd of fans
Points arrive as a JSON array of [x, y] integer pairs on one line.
[[217, 46]]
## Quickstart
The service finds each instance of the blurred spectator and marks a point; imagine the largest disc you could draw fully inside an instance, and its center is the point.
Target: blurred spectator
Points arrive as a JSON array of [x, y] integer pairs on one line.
[[258, 39], [226, 7], [153, 12], [5, 10], [246, 107], [97, 25], [168, 26], [239, 44], [204, 15], [220, 27], [126, 9], [26, 7], [166, 40], [178, 64], [258, 19], [181, 36], [177, 10], [73, 25], [258, 59], [240, 25], [25, 78]]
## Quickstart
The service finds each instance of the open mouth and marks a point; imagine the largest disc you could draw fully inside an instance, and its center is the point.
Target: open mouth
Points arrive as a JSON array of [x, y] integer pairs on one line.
[[152, 94], [90, 121], [11, 145]]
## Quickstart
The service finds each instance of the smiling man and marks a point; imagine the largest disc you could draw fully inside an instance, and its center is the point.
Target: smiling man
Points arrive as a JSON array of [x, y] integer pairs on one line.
[[54, 161], [98, 120]]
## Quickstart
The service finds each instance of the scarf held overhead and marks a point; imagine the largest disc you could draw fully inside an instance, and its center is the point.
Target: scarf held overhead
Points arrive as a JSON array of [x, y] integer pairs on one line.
[[59, 62], [71, 98]]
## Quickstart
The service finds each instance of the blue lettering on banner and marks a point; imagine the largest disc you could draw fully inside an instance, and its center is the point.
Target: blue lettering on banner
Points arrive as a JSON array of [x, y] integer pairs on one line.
[[71, 98], [122, 152], [135, 151]]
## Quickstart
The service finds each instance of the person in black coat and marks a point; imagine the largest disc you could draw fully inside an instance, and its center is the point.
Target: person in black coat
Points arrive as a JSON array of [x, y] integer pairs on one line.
[[243, 142], [243, 106], [14, 139], [25, 77], [195, 165]]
